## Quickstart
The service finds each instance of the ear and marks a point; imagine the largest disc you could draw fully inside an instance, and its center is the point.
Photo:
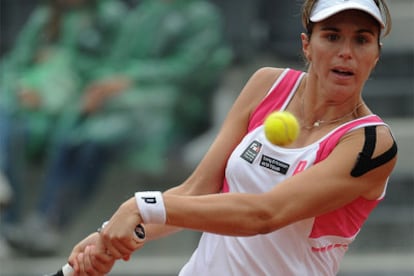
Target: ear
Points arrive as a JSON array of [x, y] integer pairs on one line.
[[376, 60], [305, 46], [378, 56]]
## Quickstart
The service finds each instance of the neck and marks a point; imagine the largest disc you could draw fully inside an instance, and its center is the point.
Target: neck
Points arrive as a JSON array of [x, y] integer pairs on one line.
[[315, 122], [320, 107]]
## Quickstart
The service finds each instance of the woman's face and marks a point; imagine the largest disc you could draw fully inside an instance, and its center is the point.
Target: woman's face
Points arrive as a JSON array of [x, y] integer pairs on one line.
[[343, 50]]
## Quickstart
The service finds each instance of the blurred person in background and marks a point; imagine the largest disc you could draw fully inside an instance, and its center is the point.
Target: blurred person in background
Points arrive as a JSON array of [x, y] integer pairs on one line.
[[151, 91], [267, 209], [54, 56]]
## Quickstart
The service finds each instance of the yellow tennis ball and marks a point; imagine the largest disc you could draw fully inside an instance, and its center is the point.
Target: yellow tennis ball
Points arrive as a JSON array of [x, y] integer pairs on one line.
[[281, 128]]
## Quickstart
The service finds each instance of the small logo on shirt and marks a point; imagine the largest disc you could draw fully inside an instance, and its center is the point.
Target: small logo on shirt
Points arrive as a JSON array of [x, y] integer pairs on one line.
[[274, 164], [300, 167], [251, 152]]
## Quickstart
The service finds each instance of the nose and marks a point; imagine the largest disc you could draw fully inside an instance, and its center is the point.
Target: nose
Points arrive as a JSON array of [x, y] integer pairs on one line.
[[345, 50]]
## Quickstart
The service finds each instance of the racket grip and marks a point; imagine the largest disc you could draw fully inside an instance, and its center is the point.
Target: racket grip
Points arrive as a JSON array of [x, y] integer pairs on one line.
[[67, 270]]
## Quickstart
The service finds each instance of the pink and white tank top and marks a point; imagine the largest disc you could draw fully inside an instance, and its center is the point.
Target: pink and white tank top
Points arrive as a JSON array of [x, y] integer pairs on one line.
[[313, 246]]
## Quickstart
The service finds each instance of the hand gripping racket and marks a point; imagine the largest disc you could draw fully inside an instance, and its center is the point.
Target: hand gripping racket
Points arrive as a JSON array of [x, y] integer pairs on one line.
[[67, 270]]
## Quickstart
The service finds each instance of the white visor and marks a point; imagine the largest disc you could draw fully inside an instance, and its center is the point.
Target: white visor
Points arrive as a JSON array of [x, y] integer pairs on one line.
[[326, 8]]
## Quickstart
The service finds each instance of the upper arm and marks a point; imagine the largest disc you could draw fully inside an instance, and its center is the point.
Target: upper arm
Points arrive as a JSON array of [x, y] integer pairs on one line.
[[329, 184], [209, 174]]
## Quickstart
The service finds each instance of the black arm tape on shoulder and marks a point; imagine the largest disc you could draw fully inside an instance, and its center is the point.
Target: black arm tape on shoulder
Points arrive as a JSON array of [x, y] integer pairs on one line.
[[365, 162]]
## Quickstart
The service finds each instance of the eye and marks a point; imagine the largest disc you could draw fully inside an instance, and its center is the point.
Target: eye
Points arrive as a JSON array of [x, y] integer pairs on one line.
[[362, 39], [332, 37]]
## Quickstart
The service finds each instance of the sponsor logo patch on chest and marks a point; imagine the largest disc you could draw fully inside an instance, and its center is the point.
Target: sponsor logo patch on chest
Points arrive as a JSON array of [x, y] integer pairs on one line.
[[251, 152], [274, 164]]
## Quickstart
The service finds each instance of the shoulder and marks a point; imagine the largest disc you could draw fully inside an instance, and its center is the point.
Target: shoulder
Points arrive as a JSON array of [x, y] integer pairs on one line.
[[363, 160], [268, 73], [374, 146], [381, 135], [376, 159], [259, 85], [264, 78], [385, 139]]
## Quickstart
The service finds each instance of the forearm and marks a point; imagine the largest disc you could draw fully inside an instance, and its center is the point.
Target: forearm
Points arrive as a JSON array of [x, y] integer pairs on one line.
[[226, 214], [158, 231]]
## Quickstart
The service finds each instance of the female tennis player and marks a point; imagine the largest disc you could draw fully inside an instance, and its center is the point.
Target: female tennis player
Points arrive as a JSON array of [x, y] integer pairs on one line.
[[278, 210]]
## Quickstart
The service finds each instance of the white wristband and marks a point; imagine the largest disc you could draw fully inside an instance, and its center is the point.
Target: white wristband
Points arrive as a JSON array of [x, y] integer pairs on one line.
[[151, 207]]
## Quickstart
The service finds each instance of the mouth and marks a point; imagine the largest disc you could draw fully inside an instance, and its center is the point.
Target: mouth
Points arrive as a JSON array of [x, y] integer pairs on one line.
[[343, 72]]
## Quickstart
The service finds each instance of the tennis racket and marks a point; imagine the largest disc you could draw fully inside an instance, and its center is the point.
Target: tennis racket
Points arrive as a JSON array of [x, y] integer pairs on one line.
[[67, 270]]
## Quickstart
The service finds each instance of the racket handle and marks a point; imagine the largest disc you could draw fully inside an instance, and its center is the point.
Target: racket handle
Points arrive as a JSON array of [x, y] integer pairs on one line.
[[67, 270]]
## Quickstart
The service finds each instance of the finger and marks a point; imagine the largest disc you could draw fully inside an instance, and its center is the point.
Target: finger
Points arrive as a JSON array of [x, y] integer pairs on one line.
[[102, 265], [102, 262], [103, 257], [132, 244], [139, 246], [106, 243], [111, 250], [87, 261], [73, 262], [75, 266], [95, 266], [81, 268], [119, 249]]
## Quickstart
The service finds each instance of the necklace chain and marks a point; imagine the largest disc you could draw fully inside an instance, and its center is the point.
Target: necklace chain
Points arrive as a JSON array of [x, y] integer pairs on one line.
[[318, 122]]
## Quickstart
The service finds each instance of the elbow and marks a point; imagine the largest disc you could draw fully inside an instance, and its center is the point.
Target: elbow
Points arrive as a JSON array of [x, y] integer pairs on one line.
[[265, 227], [265, 223]]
